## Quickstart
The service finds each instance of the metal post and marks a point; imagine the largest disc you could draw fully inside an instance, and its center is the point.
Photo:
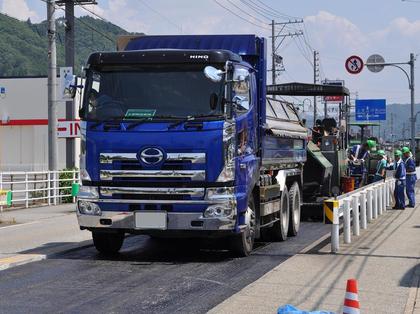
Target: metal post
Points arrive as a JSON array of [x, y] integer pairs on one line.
[[315, 81], [49, 187], [363, 222], [325, 110], [73, 182], [26, 190], [55, 187], [273, 52], [369, 205], [69, 56], [335, 236], [375, 202], [385, 195], [335, 227], [413, 120], [355, 214], [52, 86], [390, 191], [346, 227], [380, 208]]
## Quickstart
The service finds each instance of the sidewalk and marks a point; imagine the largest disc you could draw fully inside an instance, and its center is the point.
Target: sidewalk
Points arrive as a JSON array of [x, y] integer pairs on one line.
[[385, 259], [38, 232]]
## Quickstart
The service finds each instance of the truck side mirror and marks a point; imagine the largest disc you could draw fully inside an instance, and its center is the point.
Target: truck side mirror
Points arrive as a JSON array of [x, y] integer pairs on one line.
[[213, 74]]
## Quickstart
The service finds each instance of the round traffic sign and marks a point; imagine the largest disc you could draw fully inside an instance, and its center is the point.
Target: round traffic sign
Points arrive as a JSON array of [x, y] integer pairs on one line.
[[354, 64], [373, 63]]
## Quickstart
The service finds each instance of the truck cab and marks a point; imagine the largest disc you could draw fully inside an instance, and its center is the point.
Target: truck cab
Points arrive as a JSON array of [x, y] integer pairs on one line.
[[173, 140]]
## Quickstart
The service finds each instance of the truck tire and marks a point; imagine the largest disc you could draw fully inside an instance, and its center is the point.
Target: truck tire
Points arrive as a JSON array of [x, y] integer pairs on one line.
[[107, 243], [278, 232], [242, 244], [295, 209]]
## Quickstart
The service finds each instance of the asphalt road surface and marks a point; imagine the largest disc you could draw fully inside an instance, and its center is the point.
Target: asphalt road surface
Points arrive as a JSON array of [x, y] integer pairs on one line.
[[149, 276]]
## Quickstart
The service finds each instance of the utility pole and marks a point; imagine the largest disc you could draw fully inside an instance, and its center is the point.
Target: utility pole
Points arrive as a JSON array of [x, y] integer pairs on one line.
[[392, 127], [273, 52], [316, 80], [69, 61], [413, 119], [277, 59], [52, 87], [69, 56]]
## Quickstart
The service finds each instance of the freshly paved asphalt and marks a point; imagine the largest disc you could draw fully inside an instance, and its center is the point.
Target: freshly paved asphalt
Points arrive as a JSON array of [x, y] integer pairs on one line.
[[149, 276]]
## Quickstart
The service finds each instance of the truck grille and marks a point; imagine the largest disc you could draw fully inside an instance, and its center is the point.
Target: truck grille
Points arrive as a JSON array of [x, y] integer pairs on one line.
[[155, 193], [182, 167]]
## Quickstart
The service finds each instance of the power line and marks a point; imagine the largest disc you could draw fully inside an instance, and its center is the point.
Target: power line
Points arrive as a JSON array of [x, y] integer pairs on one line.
[[297, 44], [92, 28], [86, 24], [259, 12], [161, 15], [250, 15], [239, 16], [274, 10], [91, 12]]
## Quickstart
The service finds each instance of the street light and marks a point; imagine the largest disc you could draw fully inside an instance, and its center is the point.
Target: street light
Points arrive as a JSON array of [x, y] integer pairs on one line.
[[378, 66]]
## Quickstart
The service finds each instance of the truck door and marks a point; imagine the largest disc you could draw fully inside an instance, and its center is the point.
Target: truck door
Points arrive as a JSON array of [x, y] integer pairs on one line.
[[245, 96]]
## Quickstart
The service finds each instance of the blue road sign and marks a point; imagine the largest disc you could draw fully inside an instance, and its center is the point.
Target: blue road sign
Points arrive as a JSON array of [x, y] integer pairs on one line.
[[370, 109]]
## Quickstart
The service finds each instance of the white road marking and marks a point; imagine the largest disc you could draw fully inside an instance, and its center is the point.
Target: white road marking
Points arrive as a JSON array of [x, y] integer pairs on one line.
[[20, 225]]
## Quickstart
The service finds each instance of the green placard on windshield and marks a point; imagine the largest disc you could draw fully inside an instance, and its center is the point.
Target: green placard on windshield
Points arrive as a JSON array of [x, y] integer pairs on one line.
[[139, 113]]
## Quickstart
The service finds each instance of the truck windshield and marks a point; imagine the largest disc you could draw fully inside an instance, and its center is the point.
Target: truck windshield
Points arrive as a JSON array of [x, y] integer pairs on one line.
[[151, 92]]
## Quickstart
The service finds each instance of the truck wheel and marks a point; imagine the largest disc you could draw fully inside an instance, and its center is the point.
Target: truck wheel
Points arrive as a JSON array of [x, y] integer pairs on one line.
[[243, 243], [107, 243], [294, 204], [278, 232]]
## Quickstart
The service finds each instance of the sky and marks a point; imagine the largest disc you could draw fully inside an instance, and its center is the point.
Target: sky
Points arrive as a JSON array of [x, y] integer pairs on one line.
[[335, 28]]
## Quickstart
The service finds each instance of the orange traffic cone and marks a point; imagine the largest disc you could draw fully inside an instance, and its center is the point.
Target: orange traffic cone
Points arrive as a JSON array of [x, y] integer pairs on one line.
[[351, 301]]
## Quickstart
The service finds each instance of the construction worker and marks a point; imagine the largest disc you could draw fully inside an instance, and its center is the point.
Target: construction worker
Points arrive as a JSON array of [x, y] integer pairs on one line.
[[400, 176], [380, 167], [357, 157], [410, 167]]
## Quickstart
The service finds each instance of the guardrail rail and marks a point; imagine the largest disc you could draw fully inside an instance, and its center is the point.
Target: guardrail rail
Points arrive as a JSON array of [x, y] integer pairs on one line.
[[39, 188], [357, 209]]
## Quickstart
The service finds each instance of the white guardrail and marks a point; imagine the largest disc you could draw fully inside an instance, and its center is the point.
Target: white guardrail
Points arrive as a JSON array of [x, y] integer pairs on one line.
[[357, 209], [39, 188]]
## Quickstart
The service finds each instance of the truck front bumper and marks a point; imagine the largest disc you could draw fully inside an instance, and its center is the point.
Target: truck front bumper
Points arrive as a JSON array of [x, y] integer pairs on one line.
[[175, 221]]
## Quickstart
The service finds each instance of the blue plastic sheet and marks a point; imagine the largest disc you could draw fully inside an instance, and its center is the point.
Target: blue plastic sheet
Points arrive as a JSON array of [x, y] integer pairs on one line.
[[290, 309]]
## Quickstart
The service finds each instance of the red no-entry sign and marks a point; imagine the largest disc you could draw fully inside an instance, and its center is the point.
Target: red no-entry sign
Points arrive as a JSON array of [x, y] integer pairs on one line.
[[354, 65]]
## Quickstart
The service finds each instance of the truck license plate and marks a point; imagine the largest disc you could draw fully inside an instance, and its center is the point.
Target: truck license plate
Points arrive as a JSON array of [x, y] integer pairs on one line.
[[150, 220]]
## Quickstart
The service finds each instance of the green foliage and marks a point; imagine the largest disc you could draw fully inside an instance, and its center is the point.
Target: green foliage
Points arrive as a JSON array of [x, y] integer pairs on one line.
[[65, 186], [24, 47]]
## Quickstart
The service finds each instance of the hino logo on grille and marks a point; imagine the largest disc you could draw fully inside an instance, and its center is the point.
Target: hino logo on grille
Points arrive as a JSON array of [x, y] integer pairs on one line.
[[151, 156], [204, 57]]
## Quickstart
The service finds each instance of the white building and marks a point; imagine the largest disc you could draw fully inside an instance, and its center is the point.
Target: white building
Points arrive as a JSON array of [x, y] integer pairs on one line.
[[24, 125]]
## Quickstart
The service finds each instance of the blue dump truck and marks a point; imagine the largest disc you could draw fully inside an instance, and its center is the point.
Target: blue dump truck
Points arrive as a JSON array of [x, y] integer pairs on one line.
[[180, 139]]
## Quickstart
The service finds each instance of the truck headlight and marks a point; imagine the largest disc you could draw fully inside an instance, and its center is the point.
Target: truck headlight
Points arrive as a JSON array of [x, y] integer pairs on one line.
[[88, 208], [220, 193], [229, 148], [90, 192], [225, 210]]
